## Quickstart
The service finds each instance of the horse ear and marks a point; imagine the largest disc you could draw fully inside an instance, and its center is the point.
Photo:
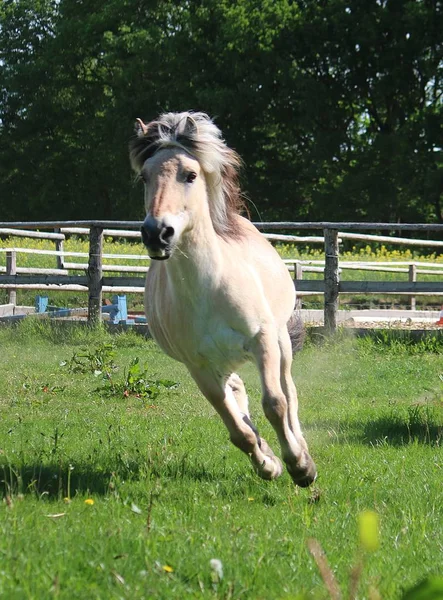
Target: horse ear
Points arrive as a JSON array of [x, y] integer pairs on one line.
[[191, 125], [140, 128]]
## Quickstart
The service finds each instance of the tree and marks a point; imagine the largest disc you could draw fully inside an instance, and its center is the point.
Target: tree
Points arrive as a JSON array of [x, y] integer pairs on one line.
[[335, 107]]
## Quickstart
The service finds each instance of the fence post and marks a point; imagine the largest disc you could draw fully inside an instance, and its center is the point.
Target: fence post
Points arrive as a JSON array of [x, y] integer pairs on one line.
[[298, 276], [11, 269], [298, 271], [94, 274], [412, 278], [332, 279], [59, 247]]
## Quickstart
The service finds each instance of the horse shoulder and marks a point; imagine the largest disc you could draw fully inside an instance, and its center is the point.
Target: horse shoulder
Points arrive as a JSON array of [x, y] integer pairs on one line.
[[257, 277]]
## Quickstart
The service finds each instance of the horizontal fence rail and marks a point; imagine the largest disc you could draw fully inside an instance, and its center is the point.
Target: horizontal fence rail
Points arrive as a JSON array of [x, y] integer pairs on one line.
[[95, 281], [374, 287], [271, 226]]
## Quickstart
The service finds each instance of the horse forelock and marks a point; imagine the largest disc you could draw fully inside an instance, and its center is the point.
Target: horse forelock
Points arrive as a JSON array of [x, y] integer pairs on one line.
[[201, 138]]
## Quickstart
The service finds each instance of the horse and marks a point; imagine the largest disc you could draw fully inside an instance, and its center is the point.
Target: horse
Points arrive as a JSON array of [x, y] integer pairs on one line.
[[217, 293]]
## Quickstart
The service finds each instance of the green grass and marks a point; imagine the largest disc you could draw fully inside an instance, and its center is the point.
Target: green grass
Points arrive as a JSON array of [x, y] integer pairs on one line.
[[170, 492]]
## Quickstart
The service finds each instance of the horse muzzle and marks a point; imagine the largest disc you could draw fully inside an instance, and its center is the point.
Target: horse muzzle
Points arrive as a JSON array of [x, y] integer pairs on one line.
[[157, 236]]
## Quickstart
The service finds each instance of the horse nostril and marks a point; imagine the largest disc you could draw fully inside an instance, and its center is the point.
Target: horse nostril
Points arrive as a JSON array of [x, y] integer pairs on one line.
[[167, 233], [155, 235], [145, 236]]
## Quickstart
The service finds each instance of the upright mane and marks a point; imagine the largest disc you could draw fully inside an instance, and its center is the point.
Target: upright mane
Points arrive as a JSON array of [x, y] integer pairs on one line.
[[196, 133]]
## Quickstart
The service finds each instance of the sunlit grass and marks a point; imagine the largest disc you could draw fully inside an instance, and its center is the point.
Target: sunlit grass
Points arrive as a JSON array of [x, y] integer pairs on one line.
[[375, 252], [156, 491]]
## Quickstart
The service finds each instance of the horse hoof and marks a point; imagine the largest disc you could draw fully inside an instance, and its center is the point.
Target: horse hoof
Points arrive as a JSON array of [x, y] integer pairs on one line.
[[303, 476], [270, 468], [305, 481]]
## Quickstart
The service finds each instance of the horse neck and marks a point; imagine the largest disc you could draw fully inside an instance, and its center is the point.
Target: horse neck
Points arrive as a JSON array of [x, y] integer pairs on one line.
[[197, 261]]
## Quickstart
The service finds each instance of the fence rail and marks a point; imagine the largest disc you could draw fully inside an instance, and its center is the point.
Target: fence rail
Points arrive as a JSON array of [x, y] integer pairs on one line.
[[95, 281], [263, 226]]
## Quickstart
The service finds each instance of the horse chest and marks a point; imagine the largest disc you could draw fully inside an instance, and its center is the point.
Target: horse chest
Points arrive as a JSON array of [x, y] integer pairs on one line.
[[221, 345], [198, 337]]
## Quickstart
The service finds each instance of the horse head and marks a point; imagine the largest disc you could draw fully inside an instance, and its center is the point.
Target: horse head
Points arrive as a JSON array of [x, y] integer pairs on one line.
[[190, 178]]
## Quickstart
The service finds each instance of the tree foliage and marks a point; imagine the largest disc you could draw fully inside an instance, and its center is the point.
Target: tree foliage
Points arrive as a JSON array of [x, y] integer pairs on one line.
[[335, 106]]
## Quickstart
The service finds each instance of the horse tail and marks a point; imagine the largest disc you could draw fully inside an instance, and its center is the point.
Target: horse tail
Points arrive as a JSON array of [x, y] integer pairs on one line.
[[297, 331]]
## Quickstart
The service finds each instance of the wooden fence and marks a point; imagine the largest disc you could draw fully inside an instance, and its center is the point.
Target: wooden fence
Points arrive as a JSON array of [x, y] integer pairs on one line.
[[95, 281]]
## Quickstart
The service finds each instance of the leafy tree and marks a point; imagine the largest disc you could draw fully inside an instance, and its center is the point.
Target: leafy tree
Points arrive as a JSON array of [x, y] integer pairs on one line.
[[335, 106]]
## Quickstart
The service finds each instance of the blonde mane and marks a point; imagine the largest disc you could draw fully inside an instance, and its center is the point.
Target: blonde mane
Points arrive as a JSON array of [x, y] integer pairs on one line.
[[195, 133]]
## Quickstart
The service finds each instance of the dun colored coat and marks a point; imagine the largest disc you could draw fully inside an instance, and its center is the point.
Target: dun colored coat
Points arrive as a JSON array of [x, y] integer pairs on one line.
[[217, 293]]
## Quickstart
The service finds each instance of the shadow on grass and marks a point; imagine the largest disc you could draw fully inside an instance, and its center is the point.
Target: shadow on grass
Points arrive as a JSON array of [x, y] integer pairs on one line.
[[416, 424], [394, 432], [59, 480], [53, 480]]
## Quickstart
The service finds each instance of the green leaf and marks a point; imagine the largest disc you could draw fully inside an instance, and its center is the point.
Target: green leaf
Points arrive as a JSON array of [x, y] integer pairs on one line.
[[167, 383], [429, 589]]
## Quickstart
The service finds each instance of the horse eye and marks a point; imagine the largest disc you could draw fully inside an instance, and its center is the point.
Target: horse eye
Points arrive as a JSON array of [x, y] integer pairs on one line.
[[190, 177]]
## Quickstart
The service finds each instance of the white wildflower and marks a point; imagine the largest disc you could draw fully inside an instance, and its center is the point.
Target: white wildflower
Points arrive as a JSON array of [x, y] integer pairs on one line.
[[217, 569]]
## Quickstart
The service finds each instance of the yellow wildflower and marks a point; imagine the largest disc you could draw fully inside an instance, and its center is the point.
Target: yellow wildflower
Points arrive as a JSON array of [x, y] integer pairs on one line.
[[368, 526], [89, 501], [167, 568]]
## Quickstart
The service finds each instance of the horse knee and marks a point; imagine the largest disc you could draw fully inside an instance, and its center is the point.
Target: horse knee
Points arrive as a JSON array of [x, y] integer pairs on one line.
[[236, 384], [275, 407]]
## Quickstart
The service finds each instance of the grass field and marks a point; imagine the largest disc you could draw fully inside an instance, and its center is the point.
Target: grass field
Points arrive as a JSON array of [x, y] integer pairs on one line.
[[108, 495]]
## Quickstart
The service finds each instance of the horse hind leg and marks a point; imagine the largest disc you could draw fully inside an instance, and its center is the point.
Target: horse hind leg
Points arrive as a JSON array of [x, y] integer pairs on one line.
[[222, 397], [261, 467], [274, 356], [302, 472]]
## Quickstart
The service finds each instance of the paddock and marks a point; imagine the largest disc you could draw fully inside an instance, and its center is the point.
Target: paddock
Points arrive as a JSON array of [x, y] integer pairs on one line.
[[73, 461], [160, 507], [86, 272]]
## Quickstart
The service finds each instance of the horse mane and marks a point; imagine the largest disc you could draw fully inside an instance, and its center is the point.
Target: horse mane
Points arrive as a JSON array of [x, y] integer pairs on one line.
[[196, 133]]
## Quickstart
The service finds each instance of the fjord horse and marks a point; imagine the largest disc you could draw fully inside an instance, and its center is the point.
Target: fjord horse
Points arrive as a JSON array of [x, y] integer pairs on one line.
[[217, 293]]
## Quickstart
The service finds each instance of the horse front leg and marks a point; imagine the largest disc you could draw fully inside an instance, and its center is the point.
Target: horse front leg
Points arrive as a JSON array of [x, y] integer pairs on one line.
[[274, 356], [229, 399], [238, 389]]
